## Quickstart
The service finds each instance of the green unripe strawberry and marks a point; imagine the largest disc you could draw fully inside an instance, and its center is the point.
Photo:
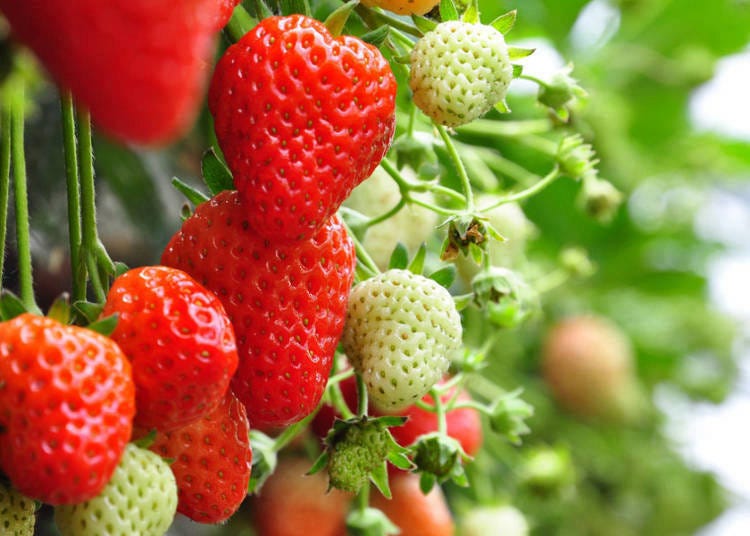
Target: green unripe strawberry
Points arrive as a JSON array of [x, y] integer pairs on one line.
[[141, 498], [400, 331], [16, 512], [459, 71], [358, 450]]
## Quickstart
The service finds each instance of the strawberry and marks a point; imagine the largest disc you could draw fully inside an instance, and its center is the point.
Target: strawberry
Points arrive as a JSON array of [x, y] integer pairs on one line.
[[459, 71], [66, 408], [141, 498], [302, 118], [403, 7], [224, 13], [588, 364], [179, 340], [292, 502], [413, 512], [502, 519], [212, 462], [16, 512], [400, 331], [287, 303], [412, 225], [140, 67]]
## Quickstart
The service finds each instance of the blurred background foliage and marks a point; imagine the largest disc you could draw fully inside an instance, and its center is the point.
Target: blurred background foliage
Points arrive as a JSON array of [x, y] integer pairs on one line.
[[640, 61]]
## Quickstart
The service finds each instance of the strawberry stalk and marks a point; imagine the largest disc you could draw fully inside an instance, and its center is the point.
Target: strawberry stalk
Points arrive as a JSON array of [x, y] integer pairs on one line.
[[527, 192], [406, 189], [4, 181], [20, 194], [74, 197], [460, 168]]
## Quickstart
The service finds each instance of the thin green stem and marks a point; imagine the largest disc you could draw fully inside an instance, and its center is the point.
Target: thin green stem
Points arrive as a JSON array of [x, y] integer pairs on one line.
[[77, 265], [385, 216], [362, 398], [405, 188], [505, 129], [376, 18], [460, 168], [20, 194], [543, 145], [440, 412], [526, 193], [5, 148], [290, 432], [362, 256], [363, 498], [339, 403]]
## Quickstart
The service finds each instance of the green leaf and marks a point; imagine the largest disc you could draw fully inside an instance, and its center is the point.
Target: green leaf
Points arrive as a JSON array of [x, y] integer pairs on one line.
[[504, 23], [88, 310], [290, 7], [105, 326], [517, 53], [261, 9], [502, 107], [60, 309], [215, 174], [337, 20], [196, 197], [416, 266], [448, 10], [445, 276], [377, 37], [399, 258], [11, 305], [471, 15], [517, 70], [146, 441], [423, 24]]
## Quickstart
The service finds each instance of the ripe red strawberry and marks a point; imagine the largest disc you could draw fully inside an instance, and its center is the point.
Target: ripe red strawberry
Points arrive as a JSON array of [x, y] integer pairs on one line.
[[302, 118], [292, 502], [413, 512], [179, 340], [66, 408], [287, 303], [138, 66], [212, 462]]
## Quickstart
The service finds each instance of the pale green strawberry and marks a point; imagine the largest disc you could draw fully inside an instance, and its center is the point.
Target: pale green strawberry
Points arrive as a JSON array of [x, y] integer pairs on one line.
[[141, 498], [484, 520], [400, 331], [459, 71], [412, 225], [16, 512]]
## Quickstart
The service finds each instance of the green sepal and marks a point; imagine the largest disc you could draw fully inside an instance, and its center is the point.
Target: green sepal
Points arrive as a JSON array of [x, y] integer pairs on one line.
[[264, 460], [379, 477], [476, 254], [502, 107], [517, 70], [401, 460], [216, 175], [239, 24], [88, 310], [196, 197], [517, 53], [319, 464], [416, 266], [261, 9], [426, 482], [377, 36], [105, 326], [423, 24], [290, 7], [471, 15], [11, 305], [399, 258], [120, 268], [146, 441], [463, 301], [508, 415], [438, 454], [60, 309], [336, 21], [404, 60], [505, 22], [448, 10], [369, 521], [186, 211], [444, 276]]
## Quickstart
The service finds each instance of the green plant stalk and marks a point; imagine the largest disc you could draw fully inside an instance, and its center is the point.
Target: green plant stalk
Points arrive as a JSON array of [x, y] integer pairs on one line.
[[290, 432], [98, 261], [20, 194], [460, 168], [77, 265], [362, 399], [405, 188], [387, 215], [338, 402], [439, 412], [505, 129], [362, 256], [5, 148], [526, 193], [373, 19]]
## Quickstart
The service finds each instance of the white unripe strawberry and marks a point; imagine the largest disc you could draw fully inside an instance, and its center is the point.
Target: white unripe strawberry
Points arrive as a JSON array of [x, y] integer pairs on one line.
[[141, 498], [400, 331], [459, 71], [16, 512]]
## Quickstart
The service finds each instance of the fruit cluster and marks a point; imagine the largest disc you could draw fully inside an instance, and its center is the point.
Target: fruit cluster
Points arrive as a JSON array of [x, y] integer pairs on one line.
[[266, 313]]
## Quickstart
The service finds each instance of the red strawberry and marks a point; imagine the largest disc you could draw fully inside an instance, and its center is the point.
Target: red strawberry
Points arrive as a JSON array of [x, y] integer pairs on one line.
[[302, 118], [226, 8], [292, 502], [212, 462], [179, 340], [287, 303], [138, 66], [66, 408]]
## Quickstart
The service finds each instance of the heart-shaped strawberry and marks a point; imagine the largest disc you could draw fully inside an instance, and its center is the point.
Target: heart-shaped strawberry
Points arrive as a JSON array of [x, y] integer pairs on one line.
[[139, 66], [302, 118]]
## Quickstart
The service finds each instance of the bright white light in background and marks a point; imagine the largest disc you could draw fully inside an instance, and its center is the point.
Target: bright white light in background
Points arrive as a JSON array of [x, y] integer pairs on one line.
[[595, 26], [544, 62], [721, 105]]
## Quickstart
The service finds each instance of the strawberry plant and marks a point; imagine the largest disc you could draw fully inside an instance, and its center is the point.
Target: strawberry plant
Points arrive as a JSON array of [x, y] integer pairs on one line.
[[389, 288]]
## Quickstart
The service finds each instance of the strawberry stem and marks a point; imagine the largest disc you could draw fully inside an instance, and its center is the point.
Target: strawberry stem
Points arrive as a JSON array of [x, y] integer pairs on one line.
[[362, 401], [373, 19], [20, 194], [460, 168], [78, 269], [528, 192], [405, 188], [363, 258], [5, 123]]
